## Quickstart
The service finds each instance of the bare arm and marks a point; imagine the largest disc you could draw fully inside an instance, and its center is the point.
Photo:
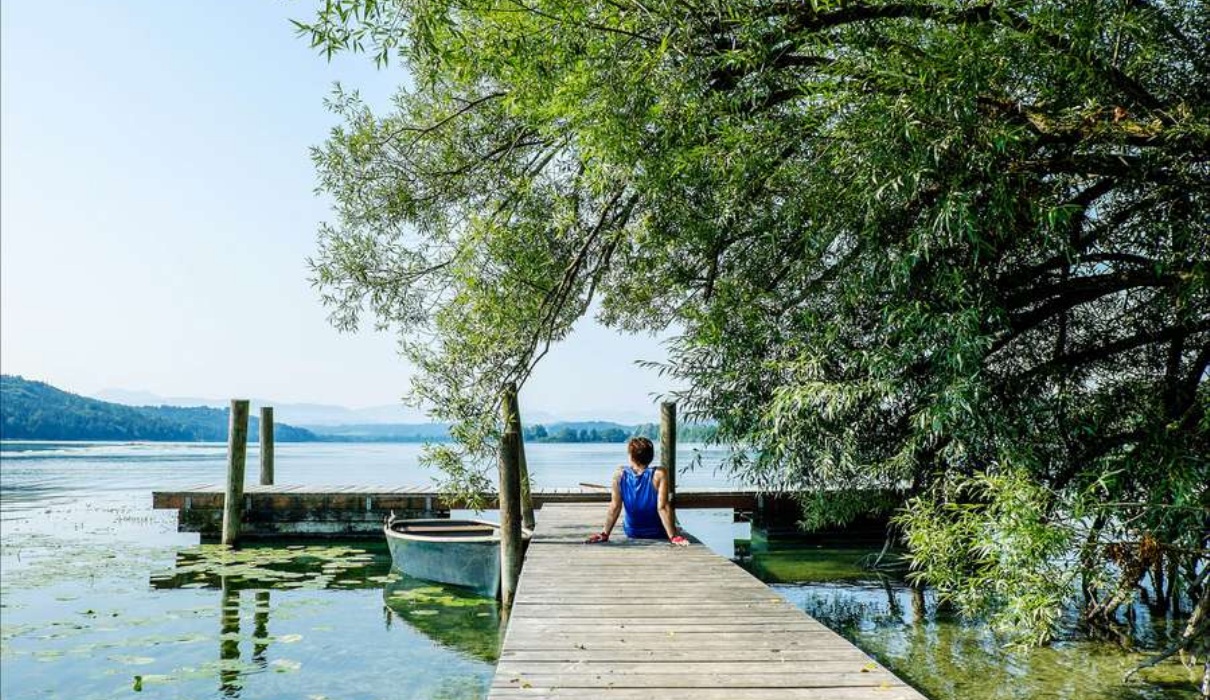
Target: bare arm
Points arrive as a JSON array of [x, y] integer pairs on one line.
[[615, 502], [665, 508]]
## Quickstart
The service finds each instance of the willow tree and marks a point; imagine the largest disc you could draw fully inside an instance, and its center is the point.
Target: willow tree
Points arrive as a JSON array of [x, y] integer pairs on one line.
[[957, 247]]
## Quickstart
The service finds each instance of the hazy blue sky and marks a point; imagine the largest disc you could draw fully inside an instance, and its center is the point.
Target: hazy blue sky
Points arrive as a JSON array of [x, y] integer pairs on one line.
[[157, 209]]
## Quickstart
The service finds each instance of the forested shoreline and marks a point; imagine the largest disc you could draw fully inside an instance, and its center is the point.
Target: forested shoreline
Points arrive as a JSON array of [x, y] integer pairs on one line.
[[32, 410]]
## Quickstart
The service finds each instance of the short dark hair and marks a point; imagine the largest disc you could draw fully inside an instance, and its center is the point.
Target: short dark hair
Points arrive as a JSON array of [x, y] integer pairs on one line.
[[641, 450]]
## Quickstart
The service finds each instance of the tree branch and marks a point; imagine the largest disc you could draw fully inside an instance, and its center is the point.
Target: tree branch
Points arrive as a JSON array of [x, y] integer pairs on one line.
[[803, 18], [1101, 352]]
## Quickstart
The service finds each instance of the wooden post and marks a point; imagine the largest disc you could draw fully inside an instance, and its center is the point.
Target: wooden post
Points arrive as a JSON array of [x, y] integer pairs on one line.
[[668, 449], [512, 422], [510, 516], [237, 450], [266, 445]]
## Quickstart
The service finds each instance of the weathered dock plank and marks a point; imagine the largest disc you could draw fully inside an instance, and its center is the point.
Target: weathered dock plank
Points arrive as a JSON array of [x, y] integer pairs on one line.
[[311, 510], [642, 619], [739, 498], [358, 510]]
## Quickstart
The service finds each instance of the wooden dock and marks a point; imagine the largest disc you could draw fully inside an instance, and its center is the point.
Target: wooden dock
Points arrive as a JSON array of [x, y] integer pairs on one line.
[[358, 510], [642, 619]]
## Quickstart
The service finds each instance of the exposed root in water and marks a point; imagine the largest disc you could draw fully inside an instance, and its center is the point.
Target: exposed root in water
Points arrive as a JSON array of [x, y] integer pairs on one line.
[[880, 562], [1194, 642]]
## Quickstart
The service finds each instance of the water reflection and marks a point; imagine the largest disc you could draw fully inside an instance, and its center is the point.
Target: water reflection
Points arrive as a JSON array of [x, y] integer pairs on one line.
[[260, 631], [80, 621], [447, 617], [231, 668], [951, 658], [81, 545], [228, 650]]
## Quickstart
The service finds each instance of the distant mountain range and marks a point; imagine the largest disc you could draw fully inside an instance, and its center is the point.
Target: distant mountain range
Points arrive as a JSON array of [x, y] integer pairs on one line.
[[316, 414], [562, 431], [32, 410], [294, 413]]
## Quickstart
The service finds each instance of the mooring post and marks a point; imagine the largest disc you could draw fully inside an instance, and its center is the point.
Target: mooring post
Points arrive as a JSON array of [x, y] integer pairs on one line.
[[512, 418], [510, 516], [266, 445], [237, 450], [668, 449]]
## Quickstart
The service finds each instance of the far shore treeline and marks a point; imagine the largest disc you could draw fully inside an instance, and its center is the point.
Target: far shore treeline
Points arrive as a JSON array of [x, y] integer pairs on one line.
[[612, 432], [31, 410]]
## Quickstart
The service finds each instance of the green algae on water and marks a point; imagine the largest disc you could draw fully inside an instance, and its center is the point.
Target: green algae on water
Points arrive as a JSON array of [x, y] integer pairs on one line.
[[449, 616], [298, 567]]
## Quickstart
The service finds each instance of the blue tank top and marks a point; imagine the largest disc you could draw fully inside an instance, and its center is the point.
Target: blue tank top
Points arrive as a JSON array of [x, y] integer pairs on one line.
[[641, 500]]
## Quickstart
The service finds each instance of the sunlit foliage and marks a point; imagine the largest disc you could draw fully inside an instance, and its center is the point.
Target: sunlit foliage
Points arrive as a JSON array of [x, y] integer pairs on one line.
[[955, 247]]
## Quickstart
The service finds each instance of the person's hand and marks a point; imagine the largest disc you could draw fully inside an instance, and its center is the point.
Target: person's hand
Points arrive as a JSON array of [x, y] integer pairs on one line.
[[598, 538], [679, 541]]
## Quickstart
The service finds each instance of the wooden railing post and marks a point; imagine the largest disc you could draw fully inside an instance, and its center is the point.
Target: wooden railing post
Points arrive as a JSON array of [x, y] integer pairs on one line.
[[512, 418], [668, 449], [266, 445], [510, 516], [237, 450]]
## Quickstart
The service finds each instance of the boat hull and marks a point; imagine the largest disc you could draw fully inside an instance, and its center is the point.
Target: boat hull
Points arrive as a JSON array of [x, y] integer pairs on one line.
[[469, 562]]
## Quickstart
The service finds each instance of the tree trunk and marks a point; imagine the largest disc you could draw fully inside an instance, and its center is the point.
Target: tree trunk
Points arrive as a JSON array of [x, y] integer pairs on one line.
[[1158, 582]]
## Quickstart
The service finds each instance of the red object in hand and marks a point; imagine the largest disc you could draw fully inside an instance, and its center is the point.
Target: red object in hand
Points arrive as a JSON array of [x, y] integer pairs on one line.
[[679, 541], [598, 538]]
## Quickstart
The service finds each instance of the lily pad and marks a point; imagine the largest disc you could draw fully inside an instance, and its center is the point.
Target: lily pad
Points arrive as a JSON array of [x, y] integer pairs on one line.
[[132, 660]]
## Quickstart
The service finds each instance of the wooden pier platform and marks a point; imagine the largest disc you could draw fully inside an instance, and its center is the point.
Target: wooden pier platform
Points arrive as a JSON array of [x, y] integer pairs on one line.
[[358, 510], [643, 619]]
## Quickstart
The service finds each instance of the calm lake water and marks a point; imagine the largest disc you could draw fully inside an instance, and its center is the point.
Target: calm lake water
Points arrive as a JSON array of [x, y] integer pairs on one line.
[[101, 597]]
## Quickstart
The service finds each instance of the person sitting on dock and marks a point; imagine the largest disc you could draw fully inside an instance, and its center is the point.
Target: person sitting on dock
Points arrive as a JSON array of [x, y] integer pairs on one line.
[[644, 494]]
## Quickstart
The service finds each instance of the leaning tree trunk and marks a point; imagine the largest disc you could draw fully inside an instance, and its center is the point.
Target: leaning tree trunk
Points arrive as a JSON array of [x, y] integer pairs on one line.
[[1197, 636]]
